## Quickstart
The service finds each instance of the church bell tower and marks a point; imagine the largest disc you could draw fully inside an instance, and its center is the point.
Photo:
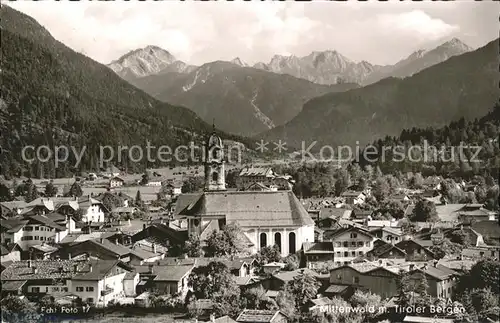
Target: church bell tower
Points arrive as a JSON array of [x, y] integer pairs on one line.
[[214, 163]]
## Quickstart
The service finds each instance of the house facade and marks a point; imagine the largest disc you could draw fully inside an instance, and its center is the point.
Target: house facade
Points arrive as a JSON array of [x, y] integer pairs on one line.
[[351, 243]]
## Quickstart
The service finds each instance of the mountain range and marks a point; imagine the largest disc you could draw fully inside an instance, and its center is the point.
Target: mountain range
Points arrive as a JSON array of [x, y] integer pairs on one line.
[[246, 101], [51, 95], [322, 67], [462, 86], [241, 100]]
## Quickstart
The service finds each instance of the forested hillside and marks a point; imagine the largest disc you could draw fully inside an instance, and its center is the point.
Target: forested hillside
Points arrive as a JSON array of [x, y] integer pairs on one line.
[[54, 96]]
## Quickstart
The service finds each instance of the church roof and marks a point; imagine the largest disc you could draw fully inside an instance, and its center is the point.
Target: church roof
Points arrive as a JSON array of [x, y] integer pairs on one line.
[[249, 208]]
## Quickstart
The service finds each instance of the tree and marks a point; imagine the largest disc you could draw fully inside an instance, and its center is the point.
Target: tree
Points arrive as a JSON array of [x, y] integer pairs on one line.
[[424, 211], [304, 288], [138, 200], [192, 185], [75, 190], [367, 300], [343, 182], [192, 247], [50, 189], [145, 178], [269, 254], [216, 282], [417, 181], [412, 289], [381, 189], [226, 242], [5, 193], [31, 192], [484, 274], [255, 298], [343, 316], [286, 303], [15, 309], [291, 262]]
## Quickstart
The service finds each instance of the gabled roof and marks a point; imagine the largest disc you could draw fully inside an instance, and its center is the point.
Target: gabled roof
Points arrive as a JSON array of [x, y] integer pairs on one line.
[[12, 225], [171, 273], [287, 276], [351, 229], [377, 252], [253, 316], [63, 269], [256, 171], [4, 250], [318, 247], [41, 219], [251, 208], [352, 194]]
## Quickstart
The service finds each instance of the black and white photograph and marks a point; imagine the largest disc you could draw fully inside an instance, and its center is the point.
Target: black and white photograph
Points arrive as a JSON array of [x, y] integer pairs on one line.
[[249, 161]]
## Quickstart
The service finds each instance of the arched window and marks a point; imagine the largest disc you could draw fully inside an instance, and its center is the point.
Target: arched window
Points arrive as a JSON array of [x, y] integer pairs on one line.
[[277, 240], [291, 243], [263, 240], [215, 176]]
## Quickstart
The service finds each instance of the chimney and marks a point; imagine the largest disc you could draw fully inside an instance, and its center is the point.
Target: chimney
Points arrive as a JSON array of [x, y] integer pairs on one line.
[[61, 269], [150, 268], [75, 268], [435, 263], [29, 263], [90, 268], [34, 270], [101, 240], [69, 256], [212, 318], [154, 248], [412, 266], [116, 241], [144, 226]]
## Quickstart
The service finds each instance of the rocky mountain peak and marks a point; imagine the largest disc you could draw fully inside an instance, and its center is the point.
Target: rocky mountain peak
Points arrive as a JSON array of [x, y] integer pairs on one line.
[[143, 61]]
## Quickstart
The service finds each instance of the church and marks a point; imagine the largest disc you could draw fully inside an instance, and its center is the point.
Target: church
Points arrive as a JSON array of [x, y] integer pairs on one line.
[[266, 218]]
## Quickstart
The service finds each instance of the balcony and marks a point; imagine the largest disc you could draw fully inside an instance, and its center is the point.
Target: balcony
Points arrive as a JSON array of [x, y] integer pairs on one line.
[[107, 290]]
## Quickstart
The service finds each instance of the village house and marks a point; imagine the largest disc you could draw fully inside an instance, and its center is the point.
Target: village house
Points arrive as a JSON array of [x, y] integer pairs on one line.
[[415, 251], [124, 212], [110, 172], [318, 254], [388, 234], [264, 176], [483, 252], [471, 213], [165, 279], [10, 252], [31, 231], [96, 282], [161, 234], [381, 279], [273, 267], [12, 208], [173, 188], [116, 182], [280, 279], [386, 252], [156, 181], [261, 316], [93, 210], [354, 197], [350, 243]]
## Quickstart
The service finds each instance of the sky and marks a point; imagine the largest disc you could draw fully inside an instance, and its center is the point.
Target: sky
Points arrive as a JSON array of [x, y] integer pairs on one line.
[[199, 32]]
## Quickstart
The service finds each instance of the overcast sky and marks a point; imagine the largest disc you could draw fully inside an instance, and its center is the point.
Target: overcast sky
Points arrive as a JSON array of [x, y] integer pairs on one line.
[[200, 32]]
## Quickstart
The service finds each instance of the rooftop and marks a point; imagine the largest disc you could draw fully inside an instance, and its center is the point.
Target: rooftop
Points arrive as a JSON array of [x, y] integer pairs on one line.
[[250, 208], [257, 316], [59, 269]]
